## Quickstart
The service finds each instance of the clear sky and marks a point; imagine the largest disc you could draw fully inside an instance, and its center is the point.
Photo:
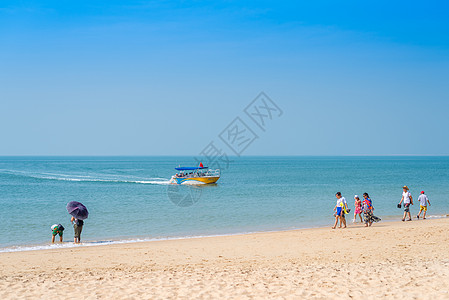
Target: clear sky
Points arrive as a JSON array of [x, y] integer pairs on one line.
[[167, 77]]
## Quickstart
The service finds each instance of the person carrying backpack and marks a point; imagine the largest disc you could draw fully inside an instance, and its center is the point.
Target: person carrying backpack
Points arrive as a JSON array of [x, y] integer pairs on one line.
[[78, 227]]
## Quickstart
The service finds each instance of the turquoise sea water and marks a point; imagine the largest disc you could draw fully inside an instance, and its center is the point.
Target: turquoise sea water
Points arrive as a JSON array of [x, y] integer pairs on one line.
[[129, 198]]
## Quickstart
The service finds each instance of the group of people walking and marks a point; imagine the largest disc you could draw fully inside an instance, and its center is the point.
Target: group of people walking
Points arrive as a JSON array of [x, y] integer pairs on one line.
[[366, 208], [407, 199]]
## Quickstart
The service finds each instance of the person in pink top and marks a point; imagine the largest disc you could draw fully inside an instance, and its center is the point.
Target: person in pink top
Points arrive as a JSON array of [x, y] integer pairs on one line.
[[358, 209]]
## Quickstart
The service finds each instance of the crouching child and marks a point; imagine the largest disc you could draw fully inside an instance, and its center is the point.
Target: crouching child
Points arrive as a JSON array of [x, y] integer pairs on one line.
[[57, 229]]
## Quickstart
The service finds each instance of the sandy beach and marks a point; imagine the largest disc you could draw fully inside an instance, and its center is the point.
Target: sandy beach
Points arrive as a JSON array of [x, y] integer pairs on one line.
[[394, 260]]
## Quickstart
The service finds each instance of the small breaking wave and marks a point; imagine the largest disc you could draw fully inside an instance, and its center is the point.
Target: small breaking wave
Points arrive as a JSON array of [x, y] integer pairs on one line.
[[65, 245]]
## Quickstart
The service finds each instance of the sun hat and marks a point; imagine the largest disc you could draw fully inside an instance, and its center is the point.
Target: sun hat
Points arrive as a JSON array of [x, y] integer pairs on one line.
[[422, 192], [405, 187], [356, 197]]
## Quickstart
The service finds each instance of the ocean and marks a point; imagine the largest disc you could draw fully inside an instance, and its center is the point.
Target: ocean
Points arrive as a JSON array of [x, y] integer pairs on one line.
[[129, 198]]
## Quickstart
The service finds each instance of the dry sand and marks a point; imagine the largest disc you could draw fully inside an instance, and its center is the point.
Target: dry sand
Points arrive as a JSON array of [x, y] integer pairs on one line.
[[396, 260]]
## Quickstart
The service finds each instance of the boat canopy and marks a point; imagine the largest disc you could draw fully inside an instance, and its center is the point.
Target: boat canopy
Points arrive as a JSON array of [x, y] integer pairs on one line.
[[190, 168]]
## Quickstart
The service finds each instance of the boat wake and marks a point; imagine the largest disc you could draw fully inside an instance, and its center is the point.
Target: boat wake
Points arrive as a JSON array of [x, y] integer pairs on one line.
[[88, 178]]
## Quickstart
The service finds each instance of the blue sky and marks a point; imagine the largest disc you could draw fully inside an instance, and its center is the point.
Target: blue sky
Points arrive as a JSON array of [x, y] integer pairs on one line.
[[166, 77]]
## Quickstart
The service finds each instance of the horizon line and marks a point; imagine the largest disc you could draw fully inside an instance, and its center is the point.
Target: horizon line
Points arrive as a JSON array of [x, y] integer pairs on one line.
[[255, 155]]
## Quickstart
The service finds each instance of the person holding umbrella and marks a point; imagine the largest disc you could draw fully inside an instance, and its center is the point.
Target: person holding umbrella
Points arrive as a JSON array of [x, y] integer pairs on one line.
[[78, 227], [79, 213]]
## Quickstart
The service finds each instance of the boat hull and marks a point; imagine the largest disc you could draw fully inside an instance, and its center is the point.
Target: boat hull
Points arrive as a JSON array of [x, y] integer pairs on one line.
[[195, 180]]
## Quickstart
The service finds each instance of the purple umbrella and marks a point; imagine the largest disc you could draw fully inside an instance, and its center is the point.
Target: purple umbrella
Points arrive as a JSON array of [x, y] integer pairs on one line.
[[77, 210]]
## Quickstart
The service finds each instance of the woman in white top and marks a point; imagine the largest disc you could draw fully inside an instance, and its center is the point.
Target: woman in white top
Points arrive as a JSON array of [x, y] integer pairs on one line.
[[408, 200]]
